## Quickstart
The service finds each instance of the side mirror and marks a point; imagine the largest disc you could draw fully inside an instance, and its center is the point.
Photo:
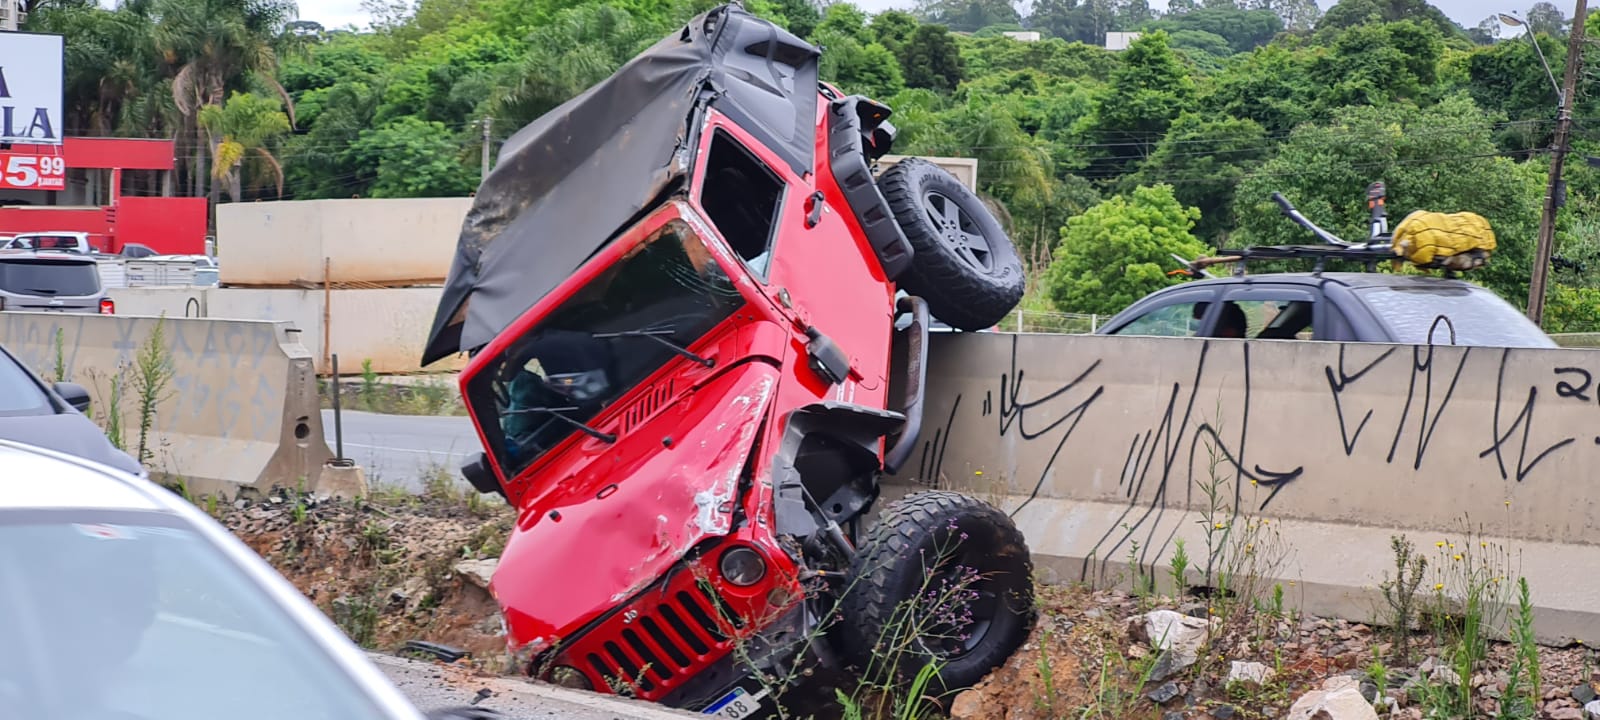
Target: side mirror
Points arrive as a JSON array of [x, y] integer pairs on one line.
[[480, 476], [74, 394]]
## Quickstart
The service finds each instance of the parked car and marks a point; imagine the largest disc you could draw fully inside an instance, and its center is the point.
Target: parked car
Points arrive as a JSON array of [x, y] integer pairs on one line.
[[690, 384], [1367, 306], [52, 416], [123, 600], [60, 241], [47, 281]]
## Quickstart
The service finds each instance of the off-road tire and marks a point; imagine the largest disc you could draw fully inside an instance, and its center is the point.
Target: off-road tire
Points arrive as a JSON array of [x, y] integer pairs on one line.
[[966, 290], [942, 530]]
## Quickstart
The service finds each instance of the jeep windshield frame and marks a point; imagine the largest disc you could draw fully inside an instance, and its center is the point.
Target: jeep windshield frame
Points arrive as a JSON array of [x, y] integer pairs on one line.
[[559, 370]]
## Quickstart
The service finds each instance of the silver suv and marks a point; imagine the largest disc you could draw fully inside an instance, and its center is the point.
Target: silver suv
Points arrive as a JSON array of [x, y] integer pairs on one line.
[[45, 281]]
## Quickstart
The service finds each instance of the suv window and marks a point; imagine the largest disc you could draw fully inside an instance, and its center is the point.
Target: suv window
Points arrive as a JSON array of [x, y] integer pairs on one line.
[[1478, 316], [1177, 320], [610, 336], [48, 278], [19, 395], [742, 197]]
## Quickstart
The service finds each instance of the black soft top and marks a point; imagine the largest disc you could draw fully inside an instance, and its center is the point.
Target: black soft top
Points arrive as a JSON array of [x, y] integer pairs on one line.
[[568, 182]]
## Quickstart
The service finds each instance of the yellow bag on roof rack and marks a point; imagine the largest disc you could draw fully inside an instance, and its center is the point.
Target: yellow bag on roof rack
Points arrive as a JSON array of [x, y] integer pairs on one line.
[[1458, 241]]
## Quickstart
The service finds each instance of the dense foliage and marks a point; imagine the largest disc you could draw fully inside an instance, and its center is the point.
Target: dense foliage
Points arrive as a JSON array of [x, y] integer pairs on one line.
[[1105, 161]]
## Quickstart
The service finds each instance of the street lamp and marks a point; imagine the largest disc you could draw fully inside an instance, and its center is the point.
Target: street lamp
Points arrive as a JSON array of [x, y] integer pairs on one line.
[[1514, 21]]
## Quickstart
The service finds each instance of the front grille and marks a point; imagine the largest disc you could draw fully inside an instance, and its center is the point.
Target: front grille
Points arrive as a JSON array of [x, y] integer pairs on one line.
[[663, 641]]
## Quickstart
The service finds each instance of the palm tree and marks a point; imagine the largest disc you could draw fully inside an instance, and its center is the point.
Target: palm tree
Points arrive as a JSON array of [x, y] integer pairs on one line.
[[215, 45], [242, 126]]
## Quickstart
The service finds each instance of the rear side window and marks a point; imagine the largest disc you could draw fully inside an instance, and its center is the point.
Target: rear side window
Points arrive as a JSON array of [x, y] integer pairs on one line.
[[19, 395], [742, 196], [1478, 316], [49, 279]]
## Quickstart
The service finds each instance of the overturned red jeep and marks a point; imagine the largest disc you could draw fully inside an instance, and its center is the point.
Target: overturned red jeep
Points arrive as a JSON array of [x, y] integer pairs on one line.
[[697, 320]]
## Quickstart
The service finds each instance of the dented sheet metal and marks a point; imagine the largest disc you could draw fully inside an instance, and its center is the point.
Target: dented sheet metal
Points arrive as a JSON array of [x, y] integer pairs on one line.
[[625, 535], [567, 183]]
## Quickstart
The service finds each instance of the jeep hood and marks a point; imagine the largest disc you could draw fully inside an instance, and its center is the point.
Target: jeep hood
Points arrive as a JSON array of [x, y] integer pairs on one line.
[[568, 182], [608, 530]]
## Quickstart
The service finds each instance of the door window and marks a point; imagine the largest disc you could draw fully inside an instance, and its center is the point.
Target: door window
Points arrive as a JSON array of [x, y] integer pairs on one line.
[[1266, 319], [1176, 320]]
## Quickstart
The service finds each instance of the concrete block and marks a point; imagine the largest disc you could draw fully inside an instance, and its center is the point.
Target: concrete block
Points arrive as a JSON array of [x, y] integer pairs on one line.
[[345, 482]]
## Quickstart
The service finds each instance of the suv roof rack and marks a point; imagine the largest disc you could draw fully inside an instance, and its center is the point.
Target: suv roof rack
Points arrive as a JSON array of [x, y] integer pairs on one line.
[[1379, 245]]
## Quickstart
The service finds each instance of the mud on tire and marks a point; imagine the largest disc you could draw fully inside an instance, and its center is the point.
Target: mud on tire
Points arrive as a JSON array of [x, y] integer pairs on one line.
[[963, 263], [941, 576]]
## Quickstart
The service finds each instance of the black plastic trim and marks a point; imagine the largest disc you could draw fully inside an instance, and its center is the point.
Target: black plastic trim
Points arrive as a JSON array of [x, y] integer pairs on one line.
[[847, 160]]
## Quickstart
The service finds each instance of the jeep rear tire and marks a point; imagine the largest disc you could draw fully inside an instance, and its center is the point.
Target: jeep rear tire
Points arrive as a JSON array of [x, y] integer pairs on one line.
[[957, 549], [963, 262]]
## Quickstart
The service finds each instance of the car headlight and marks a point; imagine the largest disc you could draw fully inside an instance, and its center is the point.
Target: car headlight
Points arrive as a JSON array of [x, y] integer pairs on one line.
[[743, 566], [568, 676]]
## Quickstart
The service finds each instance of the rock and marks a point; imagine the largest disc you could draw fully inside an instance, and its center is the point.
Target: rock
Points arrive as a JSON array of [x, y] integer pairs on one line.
[[1564, 713], [1253, 672], [1164, 694], [477, 572], [1592, 710], [1174, 715], [1369, 690], [1179, 636], [1092, 613], [1583, 694], [1445, 676], [969, 705], [1340, 699], [1223, 712]]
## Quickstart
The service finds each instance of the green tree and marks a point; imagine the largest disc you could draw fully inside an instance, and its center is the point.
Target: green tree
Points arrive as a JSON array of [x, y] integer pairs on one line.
[[1149, 90], [1350, 13], [967, 15], [931, 59], [893, 28], [1119, 251], [1377, 63], [1204, 157], [415, 158], [1442, 158], [1243, 29], [1271, 85], [243, 126], [1545, 18]]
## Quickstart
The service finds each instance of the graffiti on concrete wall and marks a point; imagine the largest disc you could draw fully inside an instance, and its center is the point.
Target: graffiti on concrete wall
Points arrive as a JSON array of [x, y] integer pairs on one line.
[[1387, 403]]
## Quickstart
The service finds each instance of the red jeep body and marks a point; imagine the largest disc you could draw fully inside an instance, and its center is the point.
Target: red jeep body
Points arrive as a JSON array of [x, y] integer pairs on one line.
[[693, 416]]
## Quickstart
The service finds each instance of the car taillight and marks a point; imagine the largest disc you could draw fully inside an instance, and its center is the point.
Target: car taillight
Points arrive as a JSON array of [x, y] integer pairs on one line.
[[107, 306]]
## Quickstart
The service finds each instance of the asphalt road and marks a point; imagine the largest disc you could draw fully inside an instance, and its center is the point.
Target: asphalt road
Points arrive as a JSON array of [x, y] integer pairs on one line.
[[401, 450], [431, 686]]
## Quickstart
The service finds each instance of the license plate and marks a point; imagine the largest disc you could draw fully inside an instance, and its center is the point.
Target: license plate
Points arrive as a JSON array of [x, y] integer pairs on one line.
[[736, 704]]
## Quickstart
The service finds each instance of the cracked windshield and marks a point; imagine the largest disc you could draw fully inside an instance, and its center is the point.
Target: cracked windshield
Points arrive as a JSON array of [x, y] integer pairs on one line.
[[614, 332]]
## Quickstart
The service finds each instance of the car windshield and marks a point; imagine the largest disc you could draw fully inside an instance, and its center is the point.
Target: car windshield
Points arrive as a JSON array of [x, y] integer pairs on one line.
[[130, 614], [647, 309], [1478, 316], [49, 278], [19, 394]]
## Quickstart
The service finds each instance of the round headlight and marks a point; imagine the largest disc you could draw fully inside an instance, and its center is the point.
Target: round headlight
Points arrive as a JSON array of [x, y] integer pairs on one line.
[[743, 566], [570, 677]]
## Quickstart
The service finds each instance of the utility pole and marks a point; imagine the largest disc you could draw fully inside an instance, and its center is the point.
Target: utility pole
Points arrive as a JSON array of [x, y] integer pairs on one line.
[[489, 120], [1555, 188]]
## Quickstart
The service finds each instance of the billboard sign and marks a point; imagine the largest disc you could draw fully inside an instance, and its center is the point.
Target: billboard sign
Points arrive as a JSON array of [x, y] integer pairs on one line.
[[31, 70], [45, 170]]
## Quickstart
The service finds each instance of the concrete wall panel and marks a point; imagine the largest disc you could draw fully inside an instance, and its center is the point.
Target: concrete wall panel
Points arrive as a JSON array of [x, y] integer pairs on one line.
[[387, 326], [241, 408], [365, 240], [1099, 443]]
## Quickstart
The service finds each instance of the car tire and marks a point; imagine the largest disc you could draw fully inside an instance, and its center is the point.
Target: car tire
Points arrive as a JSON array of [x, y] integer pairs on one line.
[[919, 543], [963, 263]]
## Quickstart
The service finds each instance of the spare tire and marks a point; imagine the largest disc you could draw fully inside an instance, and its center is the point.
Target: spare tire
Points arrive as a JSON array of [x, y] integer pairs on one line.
[[963, 264]]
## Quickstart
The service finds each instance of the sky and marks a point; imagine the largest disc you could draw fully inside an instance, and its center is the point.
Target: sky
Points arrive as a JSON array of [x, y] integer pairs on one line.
[[1467, 13]]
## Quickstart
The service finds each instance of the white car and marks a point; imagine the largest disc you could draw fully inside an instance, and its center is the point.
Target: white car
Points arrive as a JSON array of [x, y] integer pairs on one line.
[[120, 600]]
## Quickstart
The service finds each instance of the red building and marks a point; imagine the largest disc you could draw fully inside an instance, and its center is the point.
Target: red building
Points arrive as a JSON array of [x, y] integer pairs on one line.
[[118, 190]]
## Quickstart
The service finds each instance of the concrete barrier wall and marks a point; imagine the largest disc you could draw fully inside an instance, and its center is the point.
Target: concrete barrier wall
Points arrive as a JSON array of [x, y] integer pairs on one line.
[[241, 408], [365, 240], [387, 326], [1098, 445]]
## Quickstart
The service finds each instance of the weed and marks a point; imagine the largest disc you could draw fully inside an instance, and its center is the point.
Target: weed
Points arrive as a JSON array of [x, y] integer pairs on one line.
[[61, 356], [153, 371], [369, 383], [1519, 701], [1180, 569], [1380, 677], [1401, 592], [1046, 703], [1470, 594]]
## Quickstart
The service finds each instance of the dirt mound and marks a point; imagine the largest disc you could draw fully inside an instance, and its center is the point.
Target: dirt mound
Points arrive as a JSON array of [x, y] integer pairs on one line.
[[388, 570]]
